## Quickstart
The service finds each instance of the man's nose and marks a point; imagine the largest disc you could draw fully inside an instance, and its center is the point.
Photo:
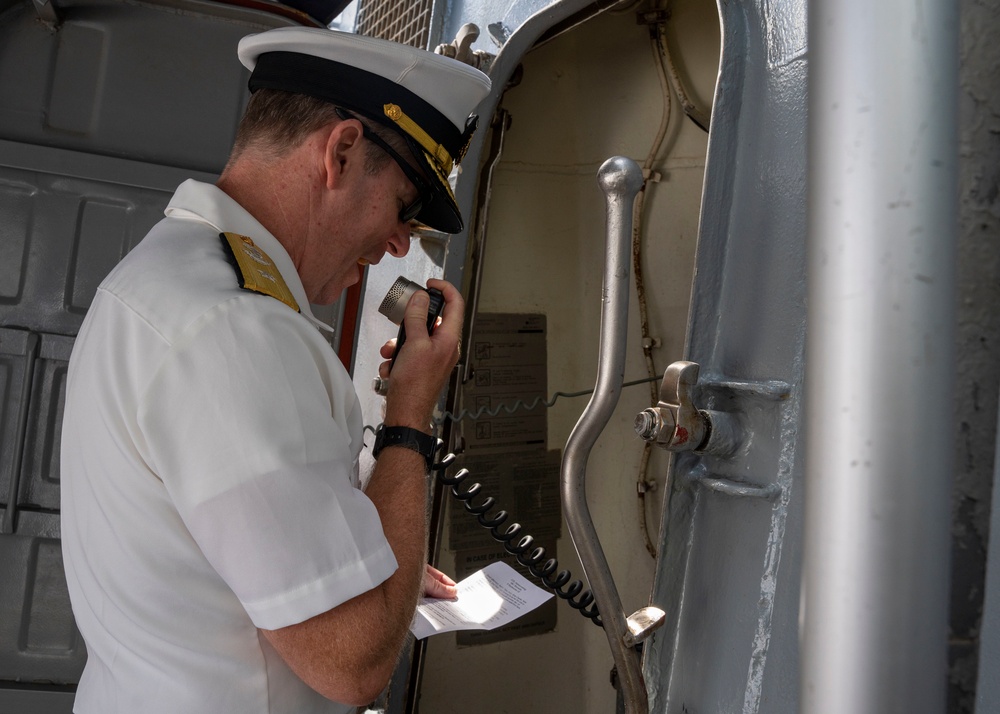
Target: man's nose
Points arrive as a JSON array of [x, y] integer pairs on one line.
[[399, 243]]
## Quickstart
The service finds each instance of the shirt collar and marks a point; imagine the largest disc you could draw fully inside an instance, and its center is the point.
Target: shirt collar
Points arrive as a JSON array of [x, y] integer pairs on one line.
[[209, 204]]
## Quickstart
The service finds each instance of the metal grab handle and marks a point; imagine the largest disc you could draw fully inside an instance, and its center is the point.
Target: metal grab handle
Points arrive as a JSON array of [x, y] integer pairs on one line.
[[620, 179]]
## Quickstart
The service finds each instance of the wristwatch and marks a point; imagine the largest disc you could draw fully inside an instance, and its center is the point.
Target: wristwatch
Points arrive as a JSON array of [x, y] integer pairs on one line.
[[413, 439]]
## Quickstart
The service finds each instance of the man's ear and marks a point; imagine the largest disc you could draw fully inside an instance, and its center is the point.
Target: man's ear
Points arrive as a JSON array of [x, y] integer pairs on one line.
[[344, 150]]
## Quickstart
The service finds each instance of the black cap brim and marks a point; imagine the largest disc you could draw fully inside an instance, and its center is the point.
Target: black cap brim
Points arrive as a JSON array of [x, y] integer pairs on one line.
[[440, 210]]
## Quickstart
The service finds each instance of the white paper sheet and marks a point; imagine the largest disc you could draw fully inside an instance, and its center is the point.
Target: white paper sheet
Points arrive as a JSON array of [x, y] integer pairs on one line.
[[487, 599]]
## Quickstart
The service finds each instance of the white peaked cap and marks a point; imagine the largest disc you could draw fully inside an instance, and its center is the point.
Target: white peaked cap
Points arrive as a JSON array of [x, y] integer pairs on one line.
[[426, 98]]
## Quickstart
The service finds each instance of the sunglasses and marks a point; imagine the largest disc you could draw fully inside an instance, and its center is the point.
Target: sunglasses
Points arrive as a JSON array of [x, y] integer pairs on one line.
[[412, 210]]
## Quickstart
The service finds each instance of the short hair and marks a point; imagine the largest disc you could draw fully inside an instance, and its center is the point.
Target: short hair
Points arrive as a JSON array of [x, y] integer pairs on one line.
[[276, 121]]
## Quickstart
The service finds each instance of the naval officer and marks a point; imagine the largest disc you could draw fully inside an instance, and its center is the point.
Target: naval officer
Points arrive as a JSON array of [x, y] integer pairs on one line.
[[220, 551]]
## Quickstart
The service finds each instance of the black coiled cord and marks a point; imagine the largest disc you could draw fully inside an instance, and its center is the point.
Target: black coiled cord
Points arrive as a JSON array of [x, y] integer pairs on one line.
[[514, 543]]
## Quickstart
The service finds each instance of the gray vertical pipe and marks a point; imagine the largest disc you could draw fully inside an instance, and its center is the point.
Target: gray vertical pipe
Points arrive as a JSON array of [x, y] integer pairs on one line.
[[882, 231], [620, 178]]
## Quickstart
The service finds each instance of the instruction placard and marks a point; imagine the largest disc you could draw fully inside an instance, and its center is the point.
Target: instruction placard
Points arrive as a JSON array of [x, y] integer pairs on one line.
[[525, 483], [508, 376], [506, 451]]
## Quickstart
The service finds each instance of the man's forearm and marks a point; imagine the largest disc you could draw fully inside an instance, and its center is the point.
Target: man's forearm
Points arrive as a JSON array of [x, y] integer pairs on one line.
[[398, 488], [348, 653]]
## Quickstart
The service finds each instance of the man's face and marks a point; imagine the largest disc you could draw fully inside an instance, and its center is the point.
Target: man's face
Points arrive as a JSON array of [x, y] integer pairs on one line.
[[359, 227]]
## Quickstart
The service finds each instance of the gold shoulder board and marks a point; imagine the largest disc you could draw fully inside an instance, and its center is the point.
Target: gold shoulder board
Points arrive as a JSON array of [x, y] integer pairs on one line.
[[255, 269]]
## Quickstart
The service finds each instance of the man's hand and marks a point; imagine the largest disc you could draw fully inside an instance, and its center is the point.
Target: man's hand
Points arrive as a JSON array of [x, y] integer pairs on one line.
[[425, 361], [438, 585]]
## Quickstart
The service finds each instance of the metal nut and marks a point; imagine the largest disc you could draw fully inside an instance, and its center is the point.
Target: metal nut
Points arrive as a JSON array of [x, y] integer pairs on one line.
[[648, 424]]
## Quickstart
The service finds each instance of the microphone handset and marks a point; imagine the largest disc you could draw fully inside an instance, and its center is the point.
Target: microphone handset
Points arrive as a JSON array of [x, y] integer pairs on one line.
[[394, 307]]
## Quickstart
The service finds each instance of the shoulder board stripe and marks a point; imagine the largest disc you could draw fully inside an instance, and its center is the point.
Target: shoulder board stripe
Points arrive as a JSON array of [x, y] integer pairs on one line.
[[255, 270]]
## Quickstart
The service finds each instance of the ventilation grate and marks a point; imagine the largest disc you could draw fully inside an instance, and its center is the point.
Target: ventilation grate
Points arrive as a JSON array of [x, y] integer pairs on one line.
[[407, 23]]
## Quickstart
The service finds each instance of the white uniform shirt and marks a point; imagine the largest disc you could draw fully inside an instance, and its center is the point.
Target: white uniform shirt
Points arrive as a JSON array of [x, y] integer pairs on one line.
[[209, 477]]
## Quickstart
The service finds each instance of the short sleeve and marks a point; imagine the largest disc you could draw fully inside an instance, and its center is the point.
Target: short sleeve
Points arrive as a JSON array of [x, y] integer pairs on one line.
[[254, 428]]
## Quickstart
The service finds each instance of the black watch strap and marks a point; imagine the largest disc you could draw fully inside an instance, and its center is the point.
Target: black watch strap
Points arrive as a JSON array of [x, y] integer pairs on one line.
[[413, 439]]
